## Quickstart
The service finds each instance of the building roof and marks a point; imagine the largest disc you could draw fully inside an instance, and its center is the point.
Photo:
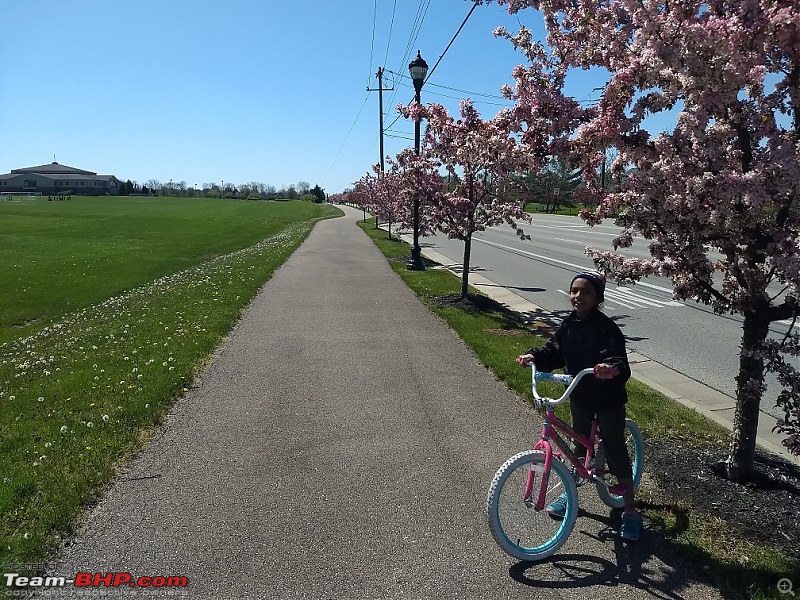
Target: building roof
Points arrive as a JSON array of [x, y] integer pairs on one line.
[[54, 169]]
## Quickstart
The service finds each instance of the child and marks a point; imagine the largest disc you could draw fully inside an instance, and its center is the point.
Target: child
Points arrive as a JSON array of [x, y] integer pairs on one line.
[[588, 338]]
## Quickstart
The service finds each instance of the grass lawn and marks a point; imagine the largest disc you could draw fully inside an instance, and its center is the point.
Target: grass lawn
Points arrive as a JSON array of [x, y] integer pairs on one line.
[[742, 569], [59, 257], [536, 208], [128, 298]]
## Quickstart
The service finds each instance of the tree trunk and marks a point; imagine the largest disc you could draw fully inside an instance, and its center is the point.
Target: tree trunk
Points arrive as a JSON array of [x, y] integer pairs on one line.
[[750, 381], [465, 272]]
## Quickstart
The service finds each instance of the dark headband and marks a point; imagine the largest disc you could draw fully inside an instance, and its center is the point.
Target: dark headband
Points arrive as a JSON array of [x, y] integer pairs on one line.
[[598, 282]]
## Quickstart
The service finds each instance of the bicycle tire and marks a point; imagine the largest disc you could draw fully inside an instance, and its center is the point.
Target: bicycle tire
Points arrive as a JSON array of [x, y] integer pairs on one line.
[[635, 444], [519, 529]]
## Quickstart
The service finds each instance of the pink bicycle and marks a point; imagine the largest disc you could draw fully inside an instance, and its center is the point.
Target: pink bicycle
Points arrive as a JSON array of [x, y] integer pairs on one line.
[[530, 480]]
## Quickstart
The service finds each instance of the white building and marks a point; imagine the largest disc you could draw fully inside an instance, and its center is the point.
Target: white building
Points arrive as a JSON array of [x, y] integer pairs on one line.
[[55, 179]]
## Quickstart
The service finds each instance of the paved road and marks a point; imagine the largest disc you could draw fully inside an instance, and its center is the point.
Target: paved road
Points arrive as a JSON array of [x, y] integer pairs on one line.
[[340, 446], [685, 336]]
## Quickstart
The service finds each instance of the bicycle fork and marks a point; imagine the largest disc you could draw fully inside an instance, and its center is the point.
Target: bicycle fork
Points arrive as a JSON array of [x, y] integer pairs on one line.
[[543, 469]]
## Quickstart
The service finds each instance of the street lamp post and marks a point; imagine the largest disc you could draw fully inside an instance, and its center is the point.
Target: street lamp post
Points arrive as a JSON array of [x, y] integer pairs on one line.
[[418, 69]]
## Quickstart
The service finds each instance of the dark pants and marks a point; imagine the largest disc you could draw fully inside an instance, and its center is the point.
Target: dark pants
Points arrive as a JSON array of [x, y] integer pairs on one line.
[[612, 427]]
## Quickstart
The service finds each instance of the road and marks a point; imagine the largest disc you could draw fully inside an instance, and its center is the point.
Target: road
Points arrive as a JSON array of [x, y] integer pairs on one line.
[[685, 336]]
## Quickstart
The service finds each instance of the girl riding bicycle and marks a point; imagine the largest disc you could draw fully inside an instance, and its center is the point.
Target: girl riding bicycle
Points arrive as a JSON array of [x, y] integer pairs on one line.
[[589, 338]]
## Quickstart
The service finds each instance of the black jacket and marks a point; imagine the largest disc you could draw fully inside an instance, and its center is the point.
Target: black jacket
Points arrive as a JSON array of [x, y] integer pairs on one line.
[[581, 343]]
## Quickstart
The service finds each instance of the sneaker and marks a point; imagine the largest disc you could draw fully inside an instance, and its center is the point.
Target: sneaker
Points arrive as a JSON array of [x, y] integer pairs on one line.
[[631, 526], [557, 509]]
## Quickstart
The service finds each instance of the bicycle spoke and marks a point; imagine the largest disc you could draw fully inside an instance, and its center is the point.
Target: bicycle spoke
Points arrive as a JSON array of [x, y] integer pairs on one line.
[[518, 527]]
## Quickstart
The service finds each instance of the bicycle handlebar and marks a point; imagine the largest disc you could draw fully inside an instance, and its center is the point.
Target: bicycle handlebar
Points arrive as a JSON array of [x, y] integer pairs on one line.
[[569, 380]]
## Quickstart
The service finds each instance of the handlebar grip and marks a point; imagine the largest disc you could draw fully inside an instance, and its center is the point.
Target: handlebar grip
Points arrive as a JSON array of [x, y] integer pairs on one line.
[[614, 371], [554, 377]]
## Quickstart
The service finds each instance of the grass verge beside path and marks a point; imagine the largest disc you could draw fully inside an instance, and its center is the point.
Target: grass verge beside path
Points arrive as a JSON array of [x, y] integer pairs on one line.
[[741, 569], [84, 393]]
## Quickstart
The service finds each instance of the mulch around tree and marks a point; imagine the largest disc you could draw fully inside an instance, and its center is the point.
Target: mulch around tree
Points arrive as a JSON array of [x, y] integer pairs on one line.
[[764, 511]]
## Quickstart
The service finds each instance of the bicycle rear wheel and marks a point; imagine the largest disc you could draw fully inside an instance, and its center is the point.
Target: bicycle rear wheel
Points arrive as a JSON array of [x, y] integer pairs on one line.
[[635, 444], [519, 529]]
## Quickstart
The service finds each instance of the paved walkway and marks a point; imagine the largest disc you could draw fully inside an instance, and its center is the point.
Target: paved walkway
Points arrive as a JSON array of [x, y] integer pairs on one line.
[[341, 446]]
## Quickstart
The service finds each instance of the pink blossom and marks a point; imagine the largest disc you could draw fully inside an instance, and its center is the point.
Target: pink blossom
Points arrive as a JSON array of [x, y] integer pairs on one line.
[[725, 178]]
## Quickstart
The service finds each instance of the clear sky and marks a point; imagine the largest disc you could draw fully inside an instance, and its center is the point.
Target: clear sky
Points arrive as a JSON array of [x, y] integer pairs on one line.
[[237, 90]]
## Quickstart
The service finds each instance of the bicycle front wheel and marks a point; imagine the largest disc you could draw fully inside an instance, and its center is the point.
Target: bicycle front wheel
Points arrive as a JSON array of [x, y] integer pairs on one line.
[[517, 527], [635, 445]]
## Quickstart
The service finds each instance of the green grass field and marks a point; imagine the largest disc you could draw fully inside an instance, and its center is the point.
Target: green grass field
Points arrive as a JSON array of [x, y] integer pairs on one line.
[[58, 257], [114, 305]]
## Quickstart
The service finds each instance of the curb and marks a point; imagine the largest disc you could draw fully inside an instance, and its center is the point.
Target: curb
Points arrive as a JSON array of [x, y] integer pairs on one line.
[[707, 401]]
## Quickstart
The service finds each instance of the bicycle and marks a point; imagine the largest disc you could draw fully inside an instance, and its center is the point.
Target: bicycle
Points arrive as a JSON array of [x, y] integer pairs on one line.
[[515, 503]]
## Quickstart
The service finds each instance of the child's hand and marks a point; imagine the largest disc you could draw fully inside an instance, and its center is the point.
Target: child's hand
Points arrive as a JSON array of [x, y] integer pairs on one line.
[[524, 359], [604, 371]]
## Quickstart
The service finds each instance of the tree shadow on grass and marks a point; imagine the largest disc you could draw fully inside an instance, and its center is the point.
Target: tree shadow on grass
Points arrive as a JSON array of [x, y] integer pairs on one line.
[[478, 304]]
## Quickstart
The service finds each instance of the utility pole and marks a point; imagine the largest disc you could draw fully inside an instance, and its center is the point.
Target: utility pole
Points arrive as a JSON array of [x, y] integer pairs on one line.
[[380, 89]]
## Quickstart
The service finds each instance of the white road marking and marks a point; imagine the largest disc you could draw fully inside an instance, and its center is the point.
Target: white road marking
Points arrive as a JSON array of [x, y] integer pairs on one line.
[[585, 228], [628, 292], [637, 301], [562, 262]]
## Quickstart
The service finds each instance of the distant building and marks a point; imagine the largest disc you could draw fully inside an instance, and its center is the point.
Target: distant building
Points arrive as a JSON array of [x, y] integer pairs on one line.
[[55, 179]]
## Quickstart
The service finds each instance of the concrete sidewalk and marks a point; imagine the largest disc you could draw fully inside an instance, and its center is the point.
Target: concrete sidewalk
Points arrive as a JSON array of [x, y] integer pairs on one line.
[[341, 445], [715, 405]]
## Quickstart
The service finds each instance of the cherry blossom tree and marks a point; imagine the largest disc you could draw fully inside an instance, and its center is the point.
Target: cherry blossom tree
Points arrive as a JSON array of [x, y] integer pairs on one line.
[[475, 153], [357, 197], [382, 192], [419, 178], [718, 196]]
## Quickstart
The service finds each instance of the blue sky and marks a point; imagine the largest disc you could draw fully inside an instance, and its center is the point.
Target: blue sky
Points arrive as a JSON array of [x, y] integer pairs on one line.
[[243, 90]]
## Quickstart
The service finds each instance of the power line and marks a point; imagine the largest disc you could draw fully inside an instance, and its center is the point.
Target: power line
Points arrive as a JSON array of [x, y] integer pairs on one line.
[[400, 137], [349, 131], [421, 13], [464, 22], [452, 89], [478, 101], [372, 44], [422, 10], [391, 28], [416, 27], [469, 14]]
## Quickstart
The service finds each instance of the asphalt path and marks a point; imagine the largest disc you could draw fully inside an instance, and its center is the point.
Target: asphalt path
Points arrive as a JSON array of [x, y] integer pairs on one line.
[[687, 337], [341, 445]]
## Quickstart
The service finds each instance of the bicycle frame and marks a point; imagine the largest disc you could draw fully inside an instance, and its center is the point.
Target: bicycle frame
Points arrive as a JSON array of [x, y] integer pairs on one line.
[[550, 433]]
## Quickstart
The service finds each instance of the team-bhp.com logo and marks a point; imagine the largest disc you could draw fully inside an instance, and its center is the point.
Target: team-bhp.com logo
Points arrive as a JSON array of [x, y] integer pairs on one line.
[[94, 580]]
